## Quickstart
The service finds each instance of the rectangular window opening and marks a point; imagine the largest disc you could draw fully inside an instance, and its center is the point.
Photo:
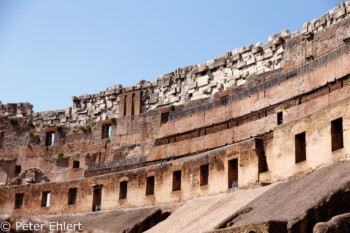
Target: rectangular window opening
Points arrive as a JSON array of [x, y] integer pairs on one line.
[[45, 199], [150, 185], [164, 117], [300, 147], [50, 138], [106, 130], [96, 200], [337, 134], [18, 169], [204, 174], [76, 164], [2, 137], [280, 118], [177, 180], [232, 173], [72, 196], [123, 190], [19, 200]]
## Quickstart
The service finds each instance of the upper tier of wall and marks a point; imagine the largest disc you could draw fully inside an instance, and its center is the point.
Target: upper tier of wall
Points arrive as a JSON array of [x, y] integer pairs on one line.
[[188, 84]]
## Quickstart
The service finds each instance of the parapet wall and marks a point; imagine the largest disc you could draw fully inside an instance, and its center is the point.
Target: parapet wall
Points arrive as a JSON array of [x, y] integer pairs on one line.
[[192, 83]]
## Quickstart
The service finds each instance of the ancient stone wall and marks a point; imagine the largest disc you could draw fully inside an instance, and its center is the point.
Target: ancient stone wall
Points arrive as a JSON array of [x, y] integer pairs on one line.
[[296, 84], [164, 191], [196, 82]]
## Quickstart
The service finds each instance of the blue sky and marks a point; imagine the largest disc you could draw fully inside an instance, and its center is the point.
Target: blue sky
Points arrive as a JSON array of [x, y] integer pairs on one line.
[[53, 50]]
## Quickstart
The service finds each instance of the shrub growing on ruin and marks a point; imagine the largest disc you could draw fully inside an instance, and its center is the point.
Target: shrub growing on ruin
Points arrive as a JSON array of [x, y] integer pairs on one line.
[[60, 155], [33, 134], [59, 128], [113, 120], [172, 107], [13, 121], [30, 124], [86, 129], [83, 129]]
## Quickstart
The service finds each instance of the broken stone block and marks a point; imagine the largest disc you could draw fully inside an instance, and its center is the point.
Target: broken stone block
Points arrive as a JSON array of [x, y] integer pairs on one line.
[[278, 40], [251, 61], [202, 81], [257, 49], [236, 57], [241, 81], [153, 98], [172, 91], [241, 64], [268, 53]]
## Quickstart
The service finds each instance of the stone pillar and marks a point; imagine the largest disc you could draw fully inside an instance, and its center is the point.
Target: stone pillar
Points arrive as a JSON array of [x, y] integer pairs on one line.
[[129, 104], [133, 104], [137, 103], [121, 105]]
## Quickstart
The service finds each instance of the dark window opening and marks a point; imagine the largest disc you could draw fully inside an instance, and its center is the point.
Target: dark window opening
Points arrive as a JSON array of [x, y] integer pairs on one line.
[[76, 164], [280, 118], [164, 117], [123, 190], [150, 185], [72, 196], [124, 113], [45, 199], [50, 138], [337, 134], [18, 169], [19, 200], [77, 103], [232, 173], [176, 180], [132, 104], [106, 130], [204, 174], [2, 137], [300, 147], [96, 199]]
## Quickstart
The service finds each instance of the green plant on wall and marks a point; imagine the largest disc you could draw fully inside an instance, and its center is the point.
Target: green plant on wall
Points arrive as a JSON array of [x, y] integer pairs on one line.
[[83, 129], [172, 107], [113, 120], [30, 124], [13, 121], [59, 128], [60, 155], [86, 129], [33, 134]]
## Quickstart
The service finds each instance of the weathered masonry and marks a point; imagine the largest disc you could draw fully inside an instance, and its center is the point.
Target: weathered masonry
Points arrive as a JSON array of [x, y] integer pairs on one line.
[[258, 114]]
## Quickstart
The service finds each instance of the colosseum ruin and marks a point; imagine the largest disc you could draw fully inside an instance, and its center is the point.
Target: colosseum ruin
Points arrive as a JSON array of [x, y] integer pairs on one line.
[[256, 140]]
